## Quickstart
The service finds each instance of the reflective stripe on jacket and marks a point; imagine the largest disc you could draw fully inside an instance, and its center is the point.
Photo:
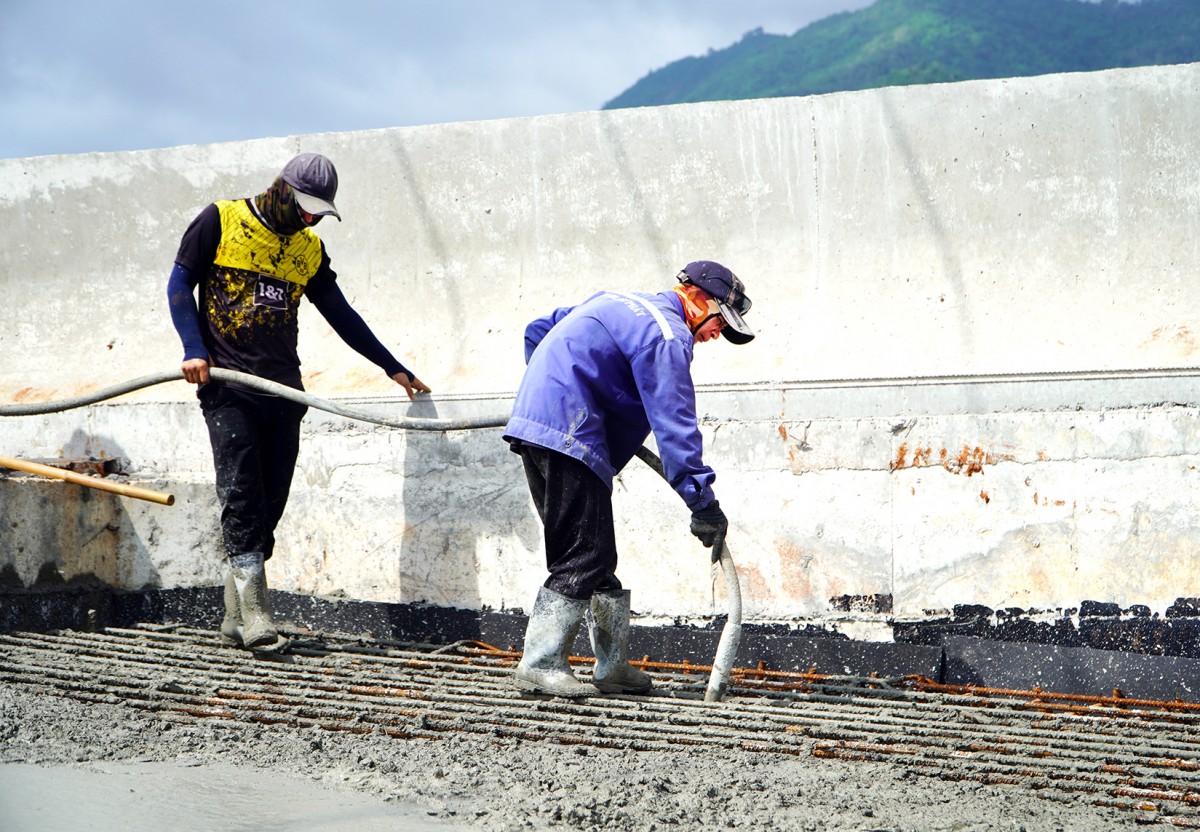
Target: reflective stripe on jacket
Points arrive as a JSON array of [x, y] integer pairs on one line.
[[604, 374]]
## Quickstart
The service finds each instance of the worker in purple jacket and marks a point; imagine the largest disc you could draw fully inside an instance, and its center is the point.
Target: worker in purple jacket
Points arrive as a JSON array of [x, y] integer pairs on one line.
[[600, 377]]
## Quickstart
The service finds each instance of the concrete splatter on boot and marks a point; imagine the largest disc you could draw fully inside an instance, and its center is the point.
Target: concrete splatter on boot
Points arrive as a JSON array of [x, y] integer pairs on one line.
[[250, 583], [552, 628], [608, 626], [231, 626]]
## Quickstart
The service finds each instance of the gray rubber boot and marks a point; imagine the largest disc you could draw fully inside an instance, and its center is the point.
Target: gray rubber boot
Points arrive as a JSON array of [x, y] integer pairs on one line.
[[231, 626], [552, 628], [250, 584], [608, 626]]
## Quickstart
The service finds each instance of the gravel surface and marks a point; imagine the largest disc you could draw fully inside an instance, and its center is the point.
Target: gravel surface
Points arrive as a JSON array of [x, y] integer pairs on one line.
[[472, 783]]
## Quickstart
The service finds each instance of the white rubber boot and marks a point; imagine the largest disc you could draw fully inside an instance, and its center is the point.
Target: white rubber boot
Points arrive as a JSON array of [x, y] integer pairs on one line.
[[231, 626], [608, 626], [545, 668], [250, 583]]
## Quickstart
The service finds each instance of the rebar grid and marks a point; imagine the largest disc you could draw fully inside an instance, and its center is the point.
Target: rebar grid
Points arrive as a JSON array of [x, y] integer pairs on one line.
[[1141, 755]]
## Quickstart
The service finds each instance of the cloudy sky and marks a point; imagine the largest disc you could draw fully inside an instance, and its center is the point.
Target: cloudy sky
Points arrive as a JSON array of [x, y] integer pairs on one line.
[[78, 76]]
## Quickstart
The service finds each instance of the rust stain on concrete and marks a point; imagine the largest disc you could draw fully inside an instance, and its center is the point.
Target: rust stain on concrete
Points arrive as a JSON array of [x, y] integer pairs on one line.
[[797, 578], [36, 395], [753, 583], [1178, 337], [966, 461], [1046, 501]]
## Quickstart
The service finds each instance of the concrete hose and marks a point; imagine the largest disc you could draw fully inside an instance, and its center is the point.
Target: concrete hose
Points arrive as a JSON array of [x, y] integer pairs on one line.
[[263, 386], [731, 633]]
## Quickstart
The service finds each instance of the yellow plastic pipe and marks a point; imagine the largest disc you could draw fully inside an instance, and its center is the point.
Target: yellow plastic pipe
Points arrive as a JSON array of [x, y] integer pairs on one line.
[[90, 482]]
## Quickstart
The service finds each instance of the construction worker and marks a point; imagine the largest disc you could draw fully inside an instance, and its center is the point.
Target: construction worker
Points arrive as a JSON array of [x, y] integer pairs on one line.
[[253, 260], [599, 378]]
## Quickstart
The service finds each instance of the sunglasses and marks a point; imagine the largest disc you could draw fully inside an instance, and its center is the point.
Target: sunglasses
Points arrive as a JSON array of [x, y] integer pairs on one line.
[[735, 295]]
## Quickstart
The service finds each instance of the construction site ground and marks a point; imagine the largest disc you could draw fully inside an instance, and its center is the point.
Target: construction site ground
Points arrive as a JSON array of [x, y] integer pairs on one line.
[[164, 727]]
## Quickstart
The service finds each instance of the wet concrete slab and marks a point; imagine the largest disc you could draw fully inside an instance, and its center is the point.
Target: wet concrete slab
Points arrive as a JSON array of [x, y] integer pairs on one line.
[[442, 728], [185, 795]]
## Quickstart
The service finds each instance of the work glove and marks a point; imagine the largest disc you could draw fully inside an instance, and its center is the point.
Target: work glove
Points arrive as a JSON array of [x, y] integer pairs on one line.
[[708, 523]]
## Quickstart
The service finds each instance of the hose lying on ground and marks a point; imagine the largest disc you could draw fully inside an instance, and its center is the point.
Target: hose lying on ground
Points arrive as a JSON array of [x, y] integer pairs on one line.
[[731, 633]]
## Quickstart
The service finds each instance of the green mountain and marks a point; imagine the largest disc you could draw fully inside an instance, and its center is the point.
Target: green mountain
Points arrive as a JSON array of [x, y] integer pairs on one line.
[[897, 42]]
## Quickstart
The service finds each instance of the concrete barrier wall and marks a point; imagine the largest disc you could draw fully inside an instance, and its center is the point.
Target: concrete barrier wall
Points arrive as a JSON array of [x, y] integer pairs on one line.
[[973, 380]]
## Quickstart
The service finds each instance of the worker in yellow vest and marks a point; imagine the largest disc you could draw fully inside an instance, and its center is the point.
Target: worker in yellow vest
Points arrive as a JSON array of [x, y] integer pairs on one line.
[[250, 261]]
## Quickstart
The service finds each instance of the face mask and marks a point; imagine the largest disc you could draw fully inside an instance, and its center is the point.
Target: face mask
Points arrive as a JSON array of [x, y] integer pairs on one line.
[[698, 307], [277, 206]]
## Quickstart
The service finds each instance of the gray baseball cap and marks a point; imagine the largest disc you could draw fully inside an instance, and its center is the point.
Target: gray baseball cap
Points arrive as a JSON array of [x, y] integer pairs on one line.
[[314, 180], [729, 293]]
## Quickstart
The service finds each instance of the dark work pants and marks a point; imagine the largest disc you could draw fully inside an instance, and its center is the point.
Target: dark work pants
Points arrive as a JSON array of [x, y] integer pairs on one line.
[[577, 517], [255, 440]]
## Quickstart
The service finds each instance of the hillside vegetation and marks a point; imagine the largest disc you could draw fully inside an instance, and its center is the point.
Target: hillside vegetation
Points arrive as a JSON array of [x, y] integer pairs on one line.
[[897, 42]]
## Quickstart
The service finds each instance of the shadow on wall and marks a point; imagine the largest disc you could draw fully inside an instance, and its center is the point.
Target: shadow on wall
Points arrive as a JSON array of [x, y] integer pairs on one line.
[[56, 535], [457, 504]]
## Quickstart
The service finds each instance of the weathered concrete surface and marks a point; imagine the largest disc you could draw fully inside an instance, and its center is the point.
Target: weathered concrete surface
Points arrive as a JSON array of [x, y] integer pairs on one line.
[[949, 284]]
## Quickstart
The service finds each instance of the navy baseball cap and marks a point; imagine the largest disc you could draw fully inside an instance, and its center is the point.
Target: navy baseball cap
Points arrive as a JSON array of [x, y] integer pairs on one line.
[[729, 293], [314, 180]]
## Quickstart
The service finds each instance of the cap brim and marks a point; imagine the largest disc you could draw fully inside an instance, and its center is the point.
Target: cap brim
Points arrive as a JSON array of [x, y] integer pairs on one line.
[[315, 205], [735, 329]]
